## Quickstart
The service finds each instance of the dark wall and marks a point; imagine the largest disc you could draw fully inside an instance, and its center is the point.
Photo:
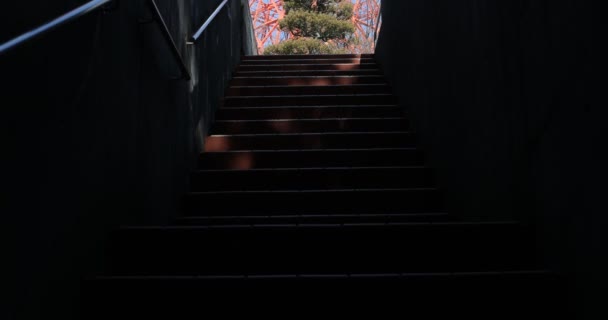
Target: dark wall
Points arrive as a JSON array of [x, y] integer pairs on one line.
[[504, 101], [97, 133]]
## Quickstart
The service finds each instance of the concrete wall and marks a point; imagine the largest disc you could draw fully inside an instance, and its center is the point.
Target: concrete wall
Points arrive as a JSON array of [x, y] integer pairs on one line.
[[96, 133], [504, 101]]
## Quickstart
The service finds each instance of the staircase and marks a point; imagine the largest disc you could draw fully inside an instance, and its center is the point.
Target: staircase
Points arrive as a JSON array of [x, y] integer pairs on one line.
[[310, 200]]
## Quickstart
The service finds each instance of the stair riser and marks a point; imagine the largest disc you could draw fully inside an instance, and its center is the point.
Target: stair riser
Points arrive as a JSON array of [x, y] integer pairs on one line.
[[307, 57], [310, 159], [307, 61], [308, 126], [430, 297], [311, 179], [303, 81], [326, 219], [308, 67], [309, 113], [310, 100], [307, 90], [321, 202], [308, 73], [308, 141], [321, 250]]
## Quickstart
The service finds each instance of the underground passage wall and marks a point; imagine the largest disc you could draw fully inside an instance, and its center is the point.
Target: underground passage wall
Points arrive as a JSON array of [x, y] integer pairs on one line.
[[505, 102], [96, 132]]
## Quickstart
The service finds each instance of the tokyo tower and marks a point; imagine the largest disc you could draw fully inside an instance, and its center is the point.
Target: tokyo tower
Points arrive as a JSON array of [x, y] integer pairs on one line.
[[266, 15]]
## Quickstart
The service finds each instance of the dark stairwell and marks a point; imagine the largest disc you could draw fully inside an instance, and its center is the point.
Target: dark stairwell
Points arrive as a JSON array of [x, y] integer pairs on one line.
[[454, 173], [312, 198]]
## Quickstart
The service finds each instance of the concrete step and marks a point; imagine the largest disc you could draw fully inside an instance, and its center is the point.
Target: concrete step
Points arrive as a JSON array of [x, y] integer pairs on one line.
[[308, 73], [309, 100], [306, 80], [291, 90], [309, 126], [308, 57], [347, 248], [530, 294], [310, 112], [307, 67], [250, 62], [311, 179], [343, 140], [312, 219], [286, 202], [367, 157]]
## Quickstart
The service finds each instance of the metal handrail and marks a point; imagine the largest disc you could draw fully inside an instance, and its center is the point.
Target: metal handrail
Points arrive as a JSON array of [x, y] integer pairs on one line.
[[54, 24], [85, 9], [202, 29], [167, 35]]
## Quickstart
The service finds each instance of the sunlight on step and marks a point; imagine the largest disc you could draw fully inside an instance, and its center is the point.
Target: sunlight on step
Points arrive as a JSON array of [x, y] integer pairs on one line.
[[323, 81], [347, 67], [284, 126], [244, 161]]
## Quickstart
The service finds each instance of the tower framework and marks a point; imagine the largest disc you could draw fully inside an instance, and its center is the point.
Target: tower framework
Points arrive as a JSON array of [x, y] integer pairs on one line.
[[266, 15]]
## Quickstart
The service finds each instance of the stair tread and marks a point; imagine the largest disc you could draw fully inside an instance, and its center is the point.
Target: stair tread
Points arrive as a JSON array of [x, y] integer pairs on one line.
[[306, 86], [318, 64], [333, 225], [307, 67], [312, 169], [309, 134], [309, 219], [353, 247], [308, 77], [285, 201], [324, 73], [317, 140], [318, 215], [374, 71], [311, 178], [308, 56], [303, 90], [308, 112], [309, 99], [311, 120], [315, 191], [494, 295], [530, 272], [306, 80], [308, 61], [343, 216], [315, 96], [315, 150], [311, 158], [316, 107]]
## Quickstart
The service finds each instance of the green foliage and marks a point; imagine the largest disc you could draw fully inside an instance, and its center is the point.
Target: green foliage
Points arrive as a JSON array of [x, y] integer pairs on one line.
[[307, 5], [303, 46], [316, 25], [343, 10]]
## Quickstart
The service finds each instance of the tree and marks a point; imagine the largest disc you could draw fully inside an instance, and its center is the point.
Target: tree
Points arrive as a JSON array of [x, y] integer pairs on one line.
[[317, 26]]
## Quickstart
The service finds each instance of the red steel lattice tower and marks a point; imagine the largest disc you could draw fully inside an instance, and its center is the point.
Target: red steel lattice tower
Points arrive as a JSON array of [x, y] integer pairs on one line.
[[365, 19], [266, 15]]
